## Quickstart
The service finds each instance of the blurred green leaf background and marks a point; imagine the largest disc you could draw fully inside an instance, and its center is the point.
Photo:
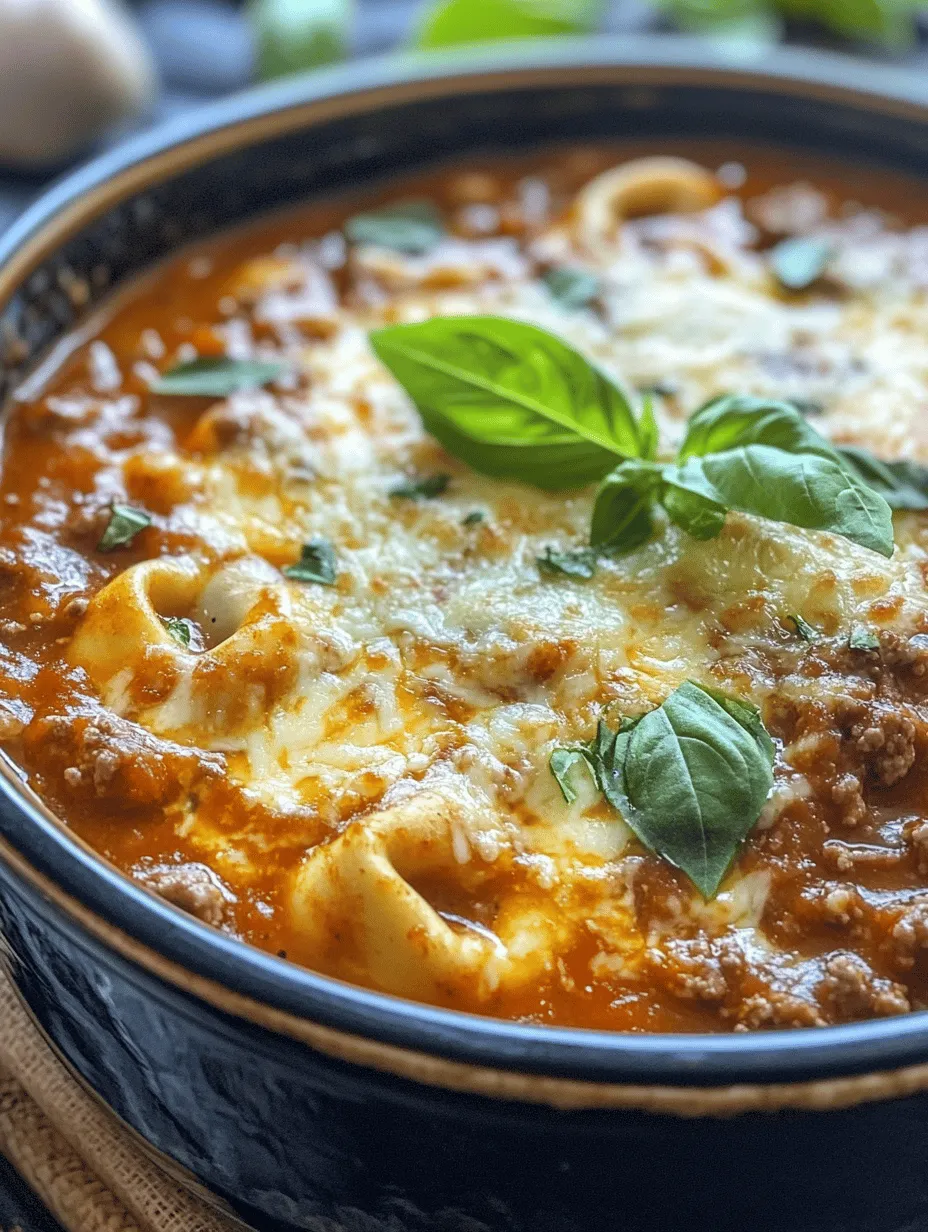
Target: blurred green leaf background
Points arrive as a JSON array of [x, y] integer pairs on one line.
[[293, 35]]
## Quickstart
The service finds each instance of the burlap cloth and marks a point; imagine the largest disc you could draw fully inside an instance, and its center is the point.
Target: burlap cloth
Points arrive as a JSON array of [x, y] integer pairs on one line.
[[83, 1165]]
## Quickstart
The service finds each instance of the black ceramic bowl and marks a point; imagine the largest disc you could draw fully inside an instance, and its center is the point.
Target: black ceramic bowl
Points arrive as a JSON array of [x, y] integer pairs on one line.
[[298, 1099]]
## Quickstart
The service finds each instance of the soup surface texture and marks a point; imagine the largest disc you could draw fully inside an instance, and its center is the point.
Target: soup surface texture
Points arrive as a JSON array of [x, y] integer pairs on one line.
[[334, 686]]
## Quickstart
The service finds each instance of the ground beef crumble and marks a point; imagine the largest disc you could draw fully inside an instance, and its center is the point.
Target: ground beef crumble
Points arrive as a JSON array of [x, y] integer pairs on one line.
[[193, 887], [112, 758], [774, 991]]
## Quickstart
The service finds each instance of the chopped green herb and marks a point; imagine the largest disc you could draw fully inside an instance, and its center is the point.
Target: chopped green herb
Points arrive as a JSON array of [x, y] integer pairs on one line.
[[414, 228], [217, 378], [124, 524], [574, 563], [802, 627], [474, 517], [421, 489], [317, 563], [798, 263], [861, 638], [572, 288], [179, 629]]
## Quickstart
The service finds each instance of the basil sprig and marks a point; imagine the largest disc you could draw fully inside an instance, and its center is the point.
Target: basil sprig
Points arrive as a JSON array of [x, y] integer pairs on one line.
[[690, 778], [755, 455], [515, 401], [217, 377]]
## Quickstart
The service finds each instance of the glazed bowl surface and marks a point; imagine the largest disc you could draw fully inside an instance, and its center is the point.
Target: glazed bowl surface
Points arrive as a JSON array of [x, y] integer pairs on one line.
[[295, 1098]]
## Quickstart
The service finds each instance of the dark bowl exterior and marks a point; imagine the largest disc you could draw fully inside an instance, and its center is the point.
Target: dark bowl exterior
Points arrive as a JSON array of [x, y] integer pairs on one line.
[[295, 1100]]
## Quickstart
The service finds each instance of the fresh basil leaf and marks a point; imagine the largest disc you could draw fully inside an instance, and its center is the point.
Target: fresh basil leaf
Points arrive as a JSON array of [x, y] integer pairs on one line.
[[802, 627], [747, 715], [510, 399], [474, 518], [574, 563], [317, 563], [903, 485], [294, 35], [572, 288], [419, 489], [691, 781], [691, 501], [124, 524], [799, 262], [801, 489], [413, 228], [740, 419], [179, 629], [860, 638], [562, 764], [622, 511], [450, 22], [217, 378]]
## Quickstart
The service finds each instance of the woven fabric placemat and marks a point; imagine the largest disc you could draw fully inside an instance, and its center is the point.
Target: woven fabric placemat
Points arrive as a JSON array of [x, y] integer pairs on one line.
[[85, 1167]]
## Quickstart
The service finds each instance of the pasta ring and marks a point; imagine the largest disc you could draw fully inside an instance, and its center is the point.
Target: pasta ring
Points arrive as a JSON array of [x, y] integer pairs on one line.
[[658, 185]]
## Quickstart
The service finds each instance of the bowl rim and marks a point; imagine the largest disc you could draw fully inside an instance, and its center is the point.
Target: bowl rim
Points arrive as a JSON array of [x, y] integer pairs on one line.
[[42, 850]]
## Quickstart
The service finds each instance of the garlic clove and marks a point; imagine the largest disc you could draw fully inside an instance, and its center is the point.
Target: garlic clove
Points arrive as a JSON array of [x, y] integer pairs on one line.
[[69, 69]]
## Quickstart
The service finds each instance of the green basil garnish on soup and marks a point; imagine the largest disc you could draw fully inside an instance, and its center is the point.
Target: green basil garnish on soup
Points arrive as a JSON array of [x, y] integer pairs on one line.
[[572, 563], [421, 489], [799, 262], [513, 400], [690, 778], [317, 563], [217, 378], [124, 524], [413, 228]]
